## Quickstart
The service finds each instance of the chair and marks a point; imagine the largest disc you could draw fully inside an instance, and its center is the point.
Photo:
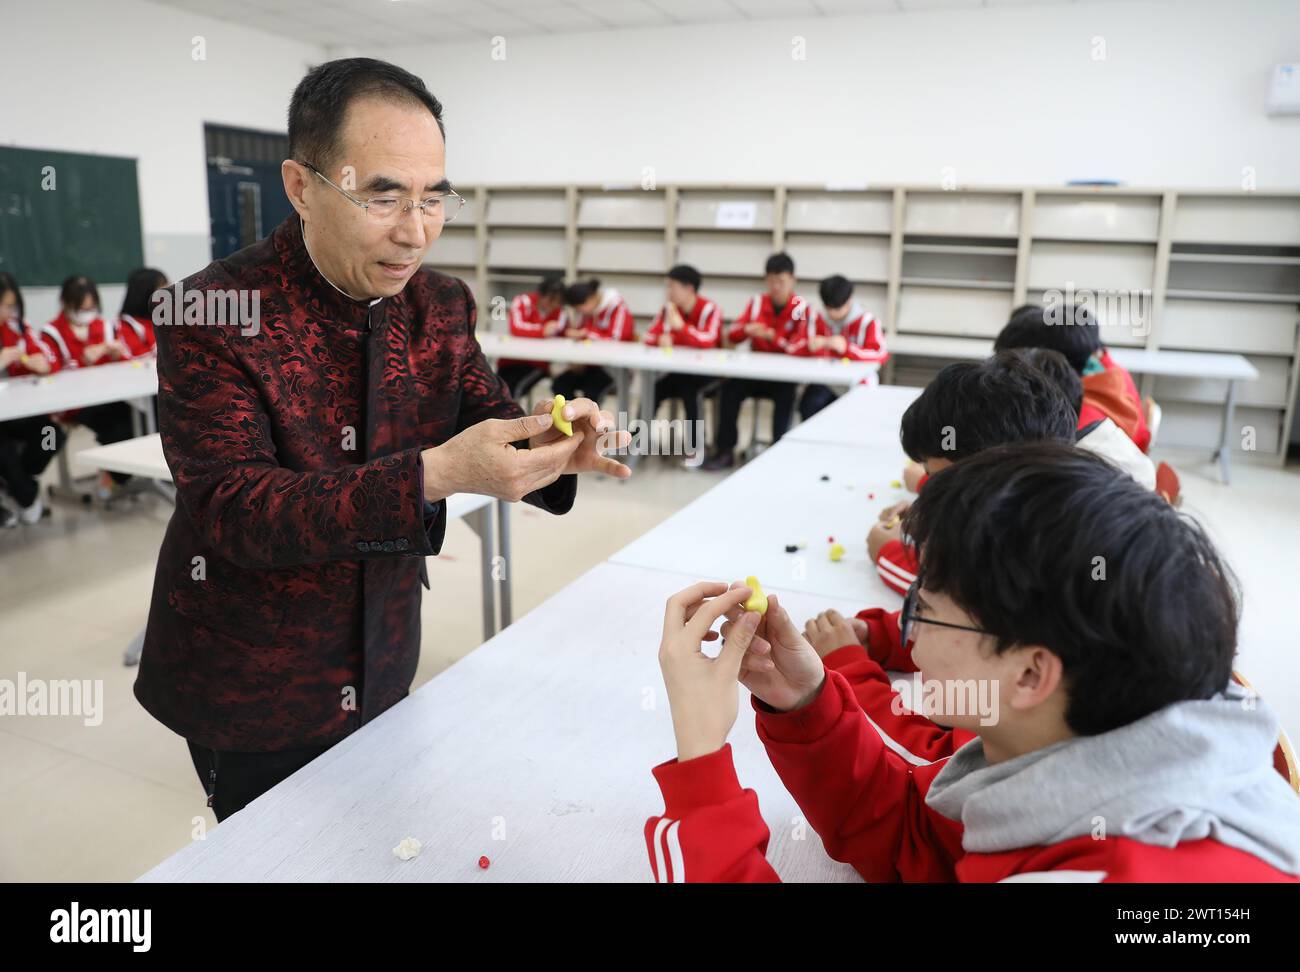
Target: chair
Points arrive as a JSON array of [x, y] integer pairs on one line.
[[1284, 760]]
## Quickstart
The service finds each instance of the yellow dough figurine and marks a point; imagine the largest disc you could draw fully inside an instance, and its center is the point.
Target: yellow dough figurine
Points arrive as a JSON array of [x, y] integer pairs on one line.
[[837, 551], [757, 601], [557, 413]]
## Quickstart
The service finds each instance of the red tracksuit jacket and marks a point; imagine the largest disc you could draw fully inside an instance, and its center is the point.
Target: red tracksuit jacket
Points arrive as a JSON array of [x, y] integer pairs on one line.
[[702, 327], [865, 337], [759, 310], [1112, 394], [527, 321], [32, 342], [868, 806], [137, 334]]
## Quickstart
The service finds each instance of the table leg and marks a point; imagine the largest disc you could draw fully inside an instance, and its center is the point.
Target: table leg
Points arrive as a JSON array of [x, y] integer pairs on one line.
[[503, 546], [1224, 452], [480, 521]]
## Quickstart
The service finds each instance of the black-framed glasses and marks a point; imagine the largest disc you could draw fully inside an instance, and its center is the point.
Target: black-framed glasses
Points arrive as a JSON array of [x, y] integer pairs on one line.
[[442, 207], [908, 617]]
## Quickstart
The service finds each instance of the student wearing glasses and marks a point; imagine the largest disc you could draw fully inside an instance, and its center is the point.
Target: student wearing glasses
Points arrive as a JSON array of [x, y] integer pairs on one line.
[[313, 447], [1116, 746]]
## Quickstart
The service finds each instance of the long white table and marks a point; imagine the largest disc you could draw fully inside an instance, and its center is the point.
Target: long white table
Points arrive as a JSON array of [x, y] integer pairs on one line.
[[742, 525], [534, 750], [633, 363], [866, 416], [78, 388], [1231, 368], [143, 456]]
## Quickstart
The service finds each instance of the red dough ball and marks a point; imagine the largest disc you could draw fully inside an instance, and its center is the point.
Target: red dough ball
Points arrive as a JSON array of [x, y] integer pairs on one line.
[[483, 862]]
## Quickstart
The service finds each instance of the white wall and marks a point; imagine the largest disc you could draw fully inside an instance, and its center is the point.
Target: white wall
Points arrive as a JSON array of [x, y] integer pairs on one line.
[[138, 92], [1007, 94]]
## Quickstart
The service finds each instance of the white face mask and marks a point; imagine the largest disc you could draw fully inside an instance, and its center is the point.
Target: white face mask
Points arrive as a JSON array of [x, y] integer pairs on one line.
[[85, 318]]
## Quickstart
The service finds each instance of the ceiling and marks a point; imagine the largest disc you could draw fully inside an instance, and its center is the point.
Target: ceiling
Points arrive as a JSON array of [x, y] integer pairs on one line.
[[394, 22]]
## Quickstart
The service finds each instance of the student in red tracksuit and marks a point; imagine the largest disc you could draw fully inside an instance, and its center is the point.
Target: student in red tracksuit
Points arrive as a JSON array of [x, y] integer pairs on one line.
[[83, 340], [768, 322], [134, 325], [686, 320], [1113, 744], [1108, 390], [841, 329], [27, 444], [593, 313], [537, 314]]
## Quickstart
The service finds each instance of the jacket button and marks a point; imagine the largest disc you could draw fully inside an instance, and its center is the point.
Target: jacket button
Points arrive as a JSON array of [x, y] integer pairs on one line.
[[403, 543], [363, 546], [388, 546]]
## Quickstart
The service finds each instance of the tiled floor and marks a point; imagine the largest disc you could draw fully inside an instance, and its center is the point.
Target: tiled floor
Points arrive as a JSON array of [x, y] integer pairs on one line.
[[109, 802]]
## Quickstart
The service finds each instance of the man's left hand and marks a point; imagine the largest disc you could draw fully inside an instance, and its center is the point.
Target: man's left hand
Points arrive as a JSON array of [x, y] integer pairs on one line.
[[598, 436]]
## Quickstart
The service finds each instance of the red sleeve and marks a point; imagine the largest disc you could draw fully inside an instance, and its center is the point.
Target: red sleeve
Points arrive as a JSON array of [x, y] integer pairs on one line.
[[623, 328], [736, 333], [798, 343], [896, 565], [656, 331], [865, 802], [914, 737], [709, 330], [884, 640], [867, 343], [521, 314], [710, 829]]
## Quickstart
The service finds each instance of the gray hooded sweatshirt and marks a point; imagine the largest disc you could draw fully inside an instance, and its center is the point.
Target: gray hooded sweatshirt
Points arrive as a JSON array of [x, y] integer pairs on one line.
[[1188, 771]]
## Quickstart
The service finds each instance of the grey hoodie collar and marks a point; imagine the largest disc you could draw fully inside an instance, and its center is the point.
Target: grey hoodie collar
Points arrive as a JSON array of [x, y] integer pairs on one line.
[[1188, 771]]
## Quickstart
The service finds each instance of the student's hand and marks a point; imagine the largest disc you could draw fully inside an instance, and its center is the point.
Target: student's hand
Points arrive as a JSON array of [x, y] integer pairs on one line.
[[912, 475], [575, 332], [552, 328], [675, 318], [816, 343], [37, 364], [94, 352], [839, 343], [829, 631], [780, 666], [117, 350], [665, 341], [753, 329], [594, 429], [879, 535], [10, 356], [894, 511], [702, 690]]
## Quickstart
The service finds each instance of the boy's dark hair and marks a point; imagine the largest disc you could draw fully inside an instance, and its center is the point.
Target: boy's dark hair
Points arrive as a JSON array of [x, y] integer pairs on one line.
[[835, 291], [552, 286], [74, 290], [1076, 336], [140, 287], [322, 97], [1053, 364], [580, 292], [1045, 544], [779, 263], [969, 407], [684, 273], [9, 284]]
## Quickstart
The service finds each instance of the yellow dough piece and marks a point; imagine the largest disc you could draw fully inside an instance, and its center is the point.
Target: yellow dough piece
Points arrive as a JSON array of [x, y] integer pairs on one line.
[[557, 413], [837, 551], [895, 484], [758, 600]]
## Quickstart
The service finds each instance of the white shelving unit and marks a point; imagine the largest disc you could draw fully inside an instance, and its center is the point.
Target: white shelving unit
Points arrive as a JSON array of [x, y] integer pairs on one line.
[[1212, 270]]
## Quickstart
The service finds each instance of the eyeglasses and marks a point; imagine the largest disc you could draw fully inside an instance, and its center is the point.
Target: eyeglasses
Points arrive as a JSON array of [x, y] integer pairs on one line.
[[909, 618], [442, 207]]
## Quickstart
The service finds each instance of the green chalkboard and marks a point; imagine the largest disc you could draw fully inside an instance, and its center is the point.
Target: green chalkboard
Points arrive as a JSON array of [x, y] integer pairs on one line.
[[64, 212]]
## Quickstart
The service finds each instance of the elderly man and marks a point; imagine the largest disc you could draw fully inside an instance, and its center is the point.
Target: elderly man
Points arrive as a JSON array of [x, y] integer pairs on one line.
[[313, 448]]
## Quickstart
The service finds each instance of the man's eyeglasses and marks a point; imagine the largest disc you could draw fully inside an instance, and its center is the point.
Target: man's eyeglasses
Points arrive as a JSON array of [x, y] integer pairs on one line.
[[908, 617], [441, 207]]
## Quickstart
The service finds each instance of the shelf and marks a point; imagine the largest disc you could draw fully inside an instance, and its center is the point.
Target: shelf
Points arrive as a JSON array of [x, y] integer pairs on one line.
[[832, 212], [960, 249], [818, 257], [703, 209], [534, 208], [635, 209], [1098, 266], [957, 312], [1247, 259], [957, 282], [1255, 298], [962, 214], [1238, 219], [1211, 325], [1104, 219]]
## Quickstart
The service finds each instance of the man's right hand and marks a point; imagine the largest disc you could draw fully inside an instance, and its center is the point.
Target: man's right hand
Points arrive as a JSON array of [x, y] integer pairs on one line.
[[483, 459]]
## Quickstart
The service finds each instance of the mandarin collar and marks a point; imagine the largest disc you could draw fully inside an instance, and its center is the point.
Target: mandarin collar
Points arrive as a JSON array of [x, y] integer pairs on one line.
[[309, 286]]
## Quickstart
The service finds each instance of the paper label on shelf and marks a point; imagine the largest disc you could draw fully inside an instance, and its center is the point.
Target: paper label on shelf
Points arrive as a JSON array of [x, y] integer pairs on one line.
[[737, 215]]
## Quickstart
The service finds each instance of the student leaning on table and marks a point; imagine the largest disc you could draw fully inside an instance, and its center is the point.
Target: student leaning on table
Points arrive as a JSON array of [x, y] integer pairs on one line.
[[27, 444], [1116, 747]]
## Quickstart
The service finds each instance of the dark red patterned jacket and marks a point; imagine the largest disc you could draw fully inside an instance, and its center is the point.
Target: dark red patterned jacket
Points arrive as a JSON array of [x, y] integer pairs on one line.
[[312, 554]]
